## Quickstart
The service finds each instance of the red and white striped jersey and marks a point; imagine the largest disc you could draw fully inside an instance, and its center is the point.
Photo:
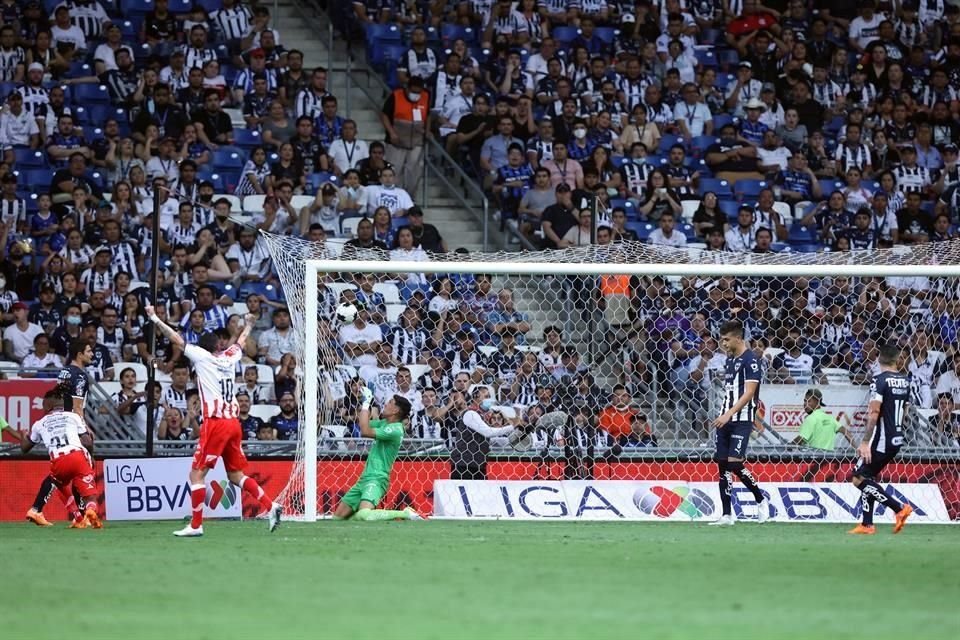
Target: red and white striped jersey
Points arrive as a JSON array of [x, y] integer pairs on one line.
[[215, 379], [59, 432]]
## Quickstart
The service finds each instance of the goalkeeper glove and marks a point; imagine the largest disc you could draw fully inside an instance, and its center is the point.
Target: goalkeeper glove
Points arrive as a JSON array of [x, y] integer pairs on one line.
[[367, 396]]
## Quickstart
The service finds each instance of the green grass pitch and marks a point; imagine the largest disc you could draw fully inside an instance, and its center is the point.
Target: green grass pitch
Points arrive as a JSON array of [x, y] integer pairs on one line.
[[483, 579]]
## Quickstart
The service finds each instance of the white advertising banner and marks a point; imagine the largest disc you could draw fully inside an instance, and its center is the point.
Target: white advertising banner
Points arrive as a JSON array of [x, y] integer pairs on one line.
[[158, 489], [668, 500], [784, 407]]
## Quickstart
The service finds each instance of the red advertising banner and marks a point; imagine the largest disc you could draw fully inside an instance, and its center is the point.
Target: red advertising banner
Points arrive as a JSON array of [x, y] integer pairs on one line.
[[21, 403], [412, 482]]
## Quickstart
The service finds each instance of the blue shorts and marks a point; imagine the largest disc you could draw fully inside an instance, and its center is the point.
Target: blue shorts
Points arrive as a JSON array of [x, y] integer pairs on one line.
[[732, 440], [877, 462]]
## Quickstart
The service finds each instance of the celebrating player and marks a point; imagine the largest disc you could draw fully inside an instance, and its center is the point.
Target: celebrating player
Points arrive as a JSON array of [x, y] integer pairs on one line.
[[361, 501], [221, 434], [889, 397], [67, 441], [72, 383], [741, 397]]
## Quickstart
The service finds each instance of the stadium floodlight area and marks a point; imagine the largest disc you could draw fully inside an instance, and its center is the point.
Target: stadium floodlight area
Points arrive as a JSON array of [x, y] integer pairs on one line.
[[590, 320]]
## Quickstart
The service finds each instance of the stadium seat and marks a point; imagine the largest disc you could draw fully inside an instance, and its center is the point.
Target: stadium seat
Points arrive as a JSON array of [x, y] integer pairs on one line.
[[226, 160], [316, 180], [181, 6], [642, 229], [667, 141], [214, 177], [699, 145], [451, 32], [728, 207], [383, 34], [389, 291], [565, 35], [807, 248], [607, 34], [710, 36], [836, 375], [721, 120], [829, 185], [264, 411], [254, 203], [689, 208], [348, 226], [687, 229], [30, 158], [247, 139], [706, 58], [90, 94], [728, 58], [801, 235], [749, 189], [718, 186]]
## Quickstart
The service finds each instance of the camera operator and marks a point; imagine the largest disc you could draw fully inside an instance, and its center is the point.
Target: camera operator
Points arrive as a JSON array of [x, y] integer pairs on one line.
[[468, 458]]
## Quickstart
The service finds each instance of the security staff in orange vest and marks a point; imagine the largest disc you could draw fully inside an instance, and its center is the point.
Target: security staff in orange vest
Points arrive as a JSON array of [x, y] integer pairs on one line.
[[404, 117]]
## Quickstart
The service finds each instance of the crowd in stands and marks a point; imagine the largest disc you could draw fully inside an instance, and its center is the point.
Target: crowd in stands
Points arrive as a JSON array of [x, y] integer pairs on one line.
[[741, 126]]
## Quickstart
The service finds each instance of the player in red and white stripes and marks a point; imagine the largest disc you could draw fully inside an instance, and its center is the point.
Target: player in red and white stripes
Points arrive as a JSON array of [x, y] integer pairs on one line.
[[68, 442], [221, 434]]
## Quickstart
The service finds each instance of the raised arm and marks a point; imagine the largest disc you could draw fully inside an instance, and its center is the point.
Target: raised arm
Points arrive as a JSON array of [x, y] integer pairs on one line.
[[248, 321], [165, 329]]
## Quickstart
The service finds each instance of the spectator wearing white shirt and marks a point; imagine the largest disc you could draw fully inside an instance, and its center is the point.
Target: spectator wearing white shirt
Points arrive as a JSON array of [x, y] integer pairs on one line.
[[277, 340], [745, 89], [742, 237], [693, 116], [67, 37], [18, 338], [248, 259], [865, 28], [795, 366], [347, 151], [41, 358], [949, 381], [667, 235], [17, 127], [361, 339], [772, 156], [457, 106], [388, 194], [406, 251]]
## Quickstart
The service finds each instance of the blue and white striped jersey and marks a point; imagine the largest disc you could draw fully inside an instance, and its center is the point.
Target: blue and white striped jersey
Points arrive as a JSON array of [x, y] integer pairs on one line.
[[737, 372]]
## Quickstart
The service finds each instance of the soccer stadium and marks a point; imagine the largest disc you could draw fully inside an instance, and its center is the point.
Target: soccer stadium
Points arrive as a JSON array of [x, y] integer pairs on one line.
[[510, 318]]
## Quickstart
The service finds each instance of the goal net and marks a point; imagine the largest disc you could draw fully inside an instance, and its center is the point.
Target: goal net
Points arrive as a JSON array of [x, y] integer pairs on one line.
[[604, 372]]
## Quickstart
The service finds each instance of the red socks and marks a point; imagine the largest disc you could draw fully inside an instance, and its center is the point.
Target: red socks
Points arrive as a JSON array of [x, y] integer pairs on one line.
[[73, 510], [250, 486], [197, 494]]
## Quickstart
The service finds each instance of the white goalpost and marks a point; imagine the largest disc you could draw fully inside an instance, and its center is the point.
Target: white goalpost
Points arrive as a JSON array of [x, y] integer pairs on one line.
[[613, 336]]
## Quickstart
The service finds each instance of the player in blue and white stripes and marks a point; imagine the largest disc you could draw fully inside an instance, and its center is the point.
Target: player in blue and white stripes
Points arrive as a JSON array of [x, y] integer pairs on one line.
[[742, 374]]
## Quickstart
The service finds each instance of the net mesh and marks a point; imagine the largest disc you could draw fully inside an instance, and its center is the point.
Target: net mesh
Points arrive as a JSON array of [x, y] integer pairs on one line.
[[611, 377]]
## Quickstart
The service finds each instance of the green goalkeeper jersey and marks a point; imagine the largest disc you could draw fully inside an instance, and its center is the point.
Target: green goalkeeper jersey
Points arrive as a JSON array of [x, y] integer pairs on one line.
[[383, 453]]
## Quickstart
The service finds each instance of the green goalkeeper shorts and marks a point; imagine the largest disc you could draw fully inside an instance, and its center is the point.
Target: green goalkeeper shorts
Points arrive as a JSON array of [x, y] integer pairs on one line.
[[371, 491]]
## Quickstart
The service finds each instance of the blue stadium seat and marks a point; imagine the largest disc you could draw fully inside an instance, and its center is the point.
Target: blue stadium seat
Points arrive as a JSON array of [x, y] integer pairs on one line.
[[828, 186], [807, 248], [687, 229], [80, 115], [706, 58], [210, 5], [399, 223], [30, 158], [317, 179], [724, 80], [128, 29], [710, 36], [749, 189], [667, 141], [618, 202], [607, 34], [80, 68], [632, 213], [129, 7], [700, 144], [381, 34], [181, 6], [6, 88], [800, 234], [36, 177], [728, 207], [247, 139], [722, 119], [451, 32], [388, 55], [565, 35], [89, 94], [728, 58], [207, 173], [642, 229], [228, 160], [718, 186]]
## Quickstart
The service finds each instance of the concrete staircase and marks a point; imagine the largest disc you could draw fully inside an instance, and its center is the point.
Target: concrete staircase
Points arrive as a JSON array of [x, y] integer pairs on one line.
[[301, 28]]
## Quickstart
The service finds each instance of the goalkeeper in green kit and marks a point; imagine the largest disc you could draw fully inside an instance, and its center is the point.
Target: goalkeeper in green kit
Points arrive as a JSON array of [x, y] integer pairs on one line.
[[361, 501]]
